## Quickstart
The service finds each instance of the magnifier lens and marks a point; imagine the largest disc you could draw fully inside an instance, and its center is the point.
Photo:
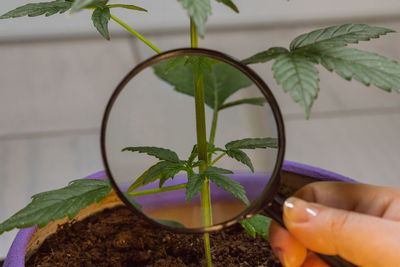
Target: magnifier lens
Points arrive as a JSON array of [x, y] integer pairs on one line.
[[150, 140]]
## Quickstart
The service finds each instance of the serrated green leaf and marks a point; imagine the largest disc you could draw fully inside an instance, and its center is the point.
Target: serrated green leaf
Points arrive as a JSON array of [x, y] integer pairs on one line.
[[229, 4], [194, 184], [170, 171], [37, 9], [81, 4], [363, 66], [100, 18], [132, 7], [57, 204], [198, 11], [298, 76], [220, 83], [339, 35], [158, 152], [265, 56], [229, 185], [253, 143], [215, 170], [257, 101], [240, 156], [154, 172], [198, 163], [170, 223], [258, 224]]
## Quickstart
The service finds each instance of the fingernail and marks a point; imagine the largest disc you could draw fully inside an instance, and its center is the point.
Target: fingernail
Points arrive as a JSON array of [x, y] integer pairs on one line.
[[298, 211], [286, 261]]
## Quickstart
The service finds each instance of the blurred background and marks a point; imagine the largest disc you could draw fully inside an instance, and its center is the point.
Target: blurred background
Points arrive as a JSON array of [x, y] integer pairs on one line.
[[57, 73]]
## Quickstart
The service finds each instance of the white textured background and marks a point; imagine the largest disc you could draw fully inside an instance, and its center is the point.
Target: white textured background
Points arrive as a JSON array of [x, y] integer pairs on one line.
[[56, 75]]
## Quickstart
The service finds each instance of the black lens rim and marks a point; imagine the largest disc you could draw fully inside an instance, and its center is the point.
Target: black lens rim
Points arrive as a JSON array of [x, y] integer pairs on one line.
[[271, 188]]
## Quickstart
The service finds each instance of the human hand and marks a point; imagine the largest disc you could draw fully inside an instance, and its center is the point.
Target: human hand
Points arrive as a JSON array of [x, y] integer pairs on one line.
[[358, 222]]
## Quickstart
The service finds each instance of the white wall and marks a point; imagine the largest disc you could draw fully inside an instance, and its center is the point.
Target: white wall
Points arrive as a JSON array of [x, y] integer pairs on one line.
[[167, 14]]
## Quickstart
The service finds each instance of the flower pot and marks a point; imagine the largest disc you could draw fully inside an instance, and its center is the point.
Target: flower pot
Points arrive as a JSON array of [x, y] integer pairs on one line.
[[294, 176]]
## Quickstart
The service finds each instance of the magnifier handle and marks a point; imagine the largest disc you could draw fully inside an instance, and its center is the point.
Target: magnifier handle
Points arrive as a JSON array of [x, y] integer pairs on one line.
[[275, 211]]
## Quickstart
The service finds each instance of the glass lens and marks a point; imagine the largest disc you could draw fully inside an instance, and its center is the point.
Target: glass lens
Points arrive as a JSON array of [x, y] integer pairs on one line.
[[153, 128]]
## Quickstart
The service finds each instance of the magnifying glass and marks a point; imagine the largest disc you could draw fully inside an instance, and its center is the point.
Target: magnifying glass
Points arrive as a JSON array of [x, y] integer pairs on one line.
[[159, 168]]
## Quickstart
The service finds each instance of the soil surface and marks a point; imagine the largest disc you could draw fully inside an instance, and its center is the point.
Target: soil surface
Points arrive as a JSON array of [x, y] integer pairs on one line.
[[118, 237]]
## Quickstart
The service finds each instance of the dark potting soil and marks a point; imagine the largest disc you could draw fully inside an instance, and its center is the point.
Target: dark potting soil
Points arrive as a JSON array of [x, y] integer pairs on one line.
[[117, 237]]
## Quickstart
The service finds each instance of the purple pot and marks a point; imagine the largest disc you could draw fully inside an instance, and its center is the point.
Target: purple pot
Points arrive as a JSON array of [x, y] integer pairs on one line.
[[16, 254]]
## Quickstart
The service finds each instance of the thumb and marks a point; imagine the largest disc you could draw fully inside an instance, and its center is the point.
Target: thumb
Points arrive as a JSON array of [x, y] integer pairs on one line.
[[361, 239]]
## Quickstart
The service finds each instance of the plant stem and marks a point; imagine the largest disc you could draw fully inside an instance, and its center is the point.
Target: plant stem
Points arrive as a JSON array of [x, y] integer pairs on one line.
[[157, 190], [144, 40], [219, 157], [213, 126], [202, 147]]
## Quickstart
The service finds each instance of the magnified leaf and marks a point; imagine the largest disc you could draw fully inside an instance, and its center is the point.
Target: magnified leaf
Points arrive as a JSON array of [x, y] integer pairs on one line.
[[257, 101], [194, 185], [158, 152], [253, 143], [220, 82], [240, 156]]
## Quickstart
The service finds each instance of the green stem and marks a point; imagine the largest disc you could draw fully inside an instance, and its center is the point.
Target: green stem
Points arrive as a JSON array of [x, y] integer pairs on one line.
[[202, 146], [157, 190], [219, 157], [144, 40], [213, 126]]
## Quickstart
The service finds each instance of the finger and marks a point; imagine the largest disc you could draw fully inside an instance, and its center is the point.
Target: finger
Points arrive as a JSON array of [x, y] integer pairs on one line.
[[378, 201], [289, 251], [358, 238], [313, 260]]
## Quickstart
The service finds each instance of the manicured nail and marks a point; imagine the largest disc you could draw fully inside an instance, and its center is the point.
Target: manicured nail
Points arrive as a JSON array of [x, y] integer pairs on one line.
[[298, 211], [286, 261]]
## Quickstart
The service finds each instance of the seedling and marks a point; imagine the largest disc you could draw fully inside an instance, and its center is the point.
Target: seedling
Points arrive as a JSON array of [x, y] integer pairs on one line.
[[294, 69]]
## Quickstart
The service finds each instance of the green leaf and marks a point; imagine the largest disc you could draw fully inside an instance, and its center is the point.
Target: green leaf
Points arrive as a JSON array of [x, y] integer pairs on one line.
[[158, 152], [100, 18], [57, 204], [37, 9], [229, 185], [170, 223], [170, 171], [215, 170], [363, 66], [339, 35], [258, 224], [230, 4], [155, 172], [240, 156], [220, 83], [140, 181], [253, 143], [265, 56], [298, 76], [81, 4], [198, 163], [257, 101], [198, 11], [194, 185], [132, 7]]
